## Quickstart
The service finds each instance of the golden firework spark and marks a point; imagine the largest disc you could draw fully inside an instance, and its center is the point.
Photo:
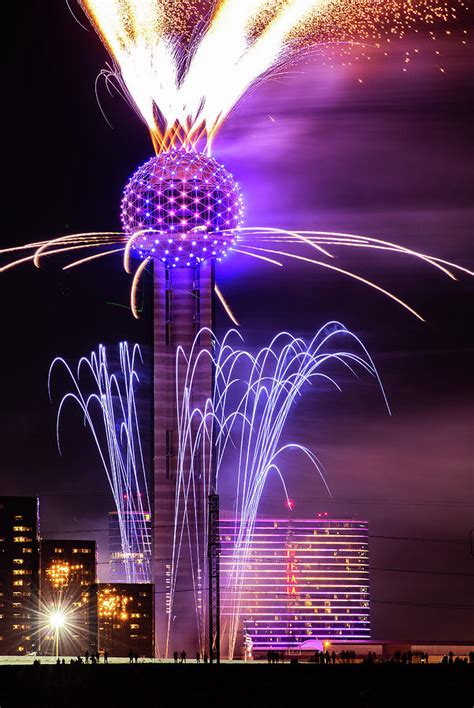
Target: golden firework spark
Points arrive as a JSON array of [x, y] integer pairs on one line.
[[184, 65]]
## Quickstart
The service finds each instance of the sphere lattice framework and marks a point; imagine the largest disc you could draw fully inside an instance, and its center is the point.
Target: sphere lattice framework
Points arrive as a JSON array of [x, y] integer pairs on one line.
[[181, 208]]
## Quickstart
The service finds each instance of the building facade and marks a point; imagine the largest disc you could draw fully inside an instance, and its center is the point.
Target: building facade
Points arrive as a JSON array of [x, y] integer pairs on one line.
[[125, 618], [19, 568], [136, 563], [304, 580], [67, 581]]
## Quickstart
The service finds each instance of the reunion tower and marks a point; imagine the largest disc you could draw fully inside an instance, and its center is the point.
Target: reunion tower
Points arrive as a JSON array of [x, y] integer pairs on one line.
[[181, 209]]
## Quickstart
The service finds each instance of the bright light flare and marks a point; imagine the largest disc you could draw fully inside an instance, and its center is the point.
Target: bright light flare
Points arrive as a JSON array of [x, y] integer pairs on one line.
[[57, 619]]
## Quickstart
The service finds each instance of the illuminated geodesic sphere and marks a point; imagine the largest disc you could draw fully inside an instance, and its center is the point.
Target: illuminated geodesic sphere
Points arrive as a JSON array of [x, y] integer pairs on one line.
[[182, 208]]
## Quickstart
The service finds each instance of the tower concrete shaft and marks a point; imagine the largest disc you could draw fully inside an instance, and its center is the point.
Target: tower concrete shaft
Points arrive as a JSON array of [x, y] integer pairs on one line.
[[183, 305]]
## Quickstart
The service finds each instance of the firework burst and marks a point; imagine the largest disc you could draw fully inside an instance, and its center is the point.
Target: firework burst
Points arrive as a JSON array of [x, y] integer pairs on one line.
[[183, 66]]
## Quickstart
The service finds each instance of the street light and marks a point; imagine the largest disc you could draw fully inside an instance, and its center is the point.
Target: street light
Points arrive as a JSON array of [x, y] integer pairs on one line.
[[57, 620]]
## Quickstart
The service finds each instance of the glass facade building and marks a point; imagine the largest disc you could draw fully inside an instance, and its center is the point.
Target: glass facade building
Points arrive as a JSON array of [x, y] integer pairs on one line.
[[303, 580], [137, 560]]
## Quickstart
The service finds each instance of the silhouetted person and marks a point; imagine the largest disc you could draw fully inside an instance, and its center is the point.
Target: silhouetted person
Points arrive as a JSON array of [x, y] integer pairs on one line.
[[333, 657], [106, 656], [131, 656], [198, 657], [175, 657], [183, 657], [327, 657], [86, 657], [136, 656], [205, 658]]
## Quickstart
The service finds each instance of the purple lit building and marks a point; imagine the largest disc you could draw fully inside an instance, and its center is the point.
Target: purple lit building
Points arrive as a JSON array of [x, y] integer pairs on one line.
[[305, 580]]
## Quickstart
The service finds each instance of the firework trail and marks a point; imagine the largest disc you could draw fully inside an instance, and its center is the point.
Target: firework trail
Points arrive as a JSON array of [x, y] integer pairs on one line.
[[243, 428], [268, 245], [110, 412], [183, 66]]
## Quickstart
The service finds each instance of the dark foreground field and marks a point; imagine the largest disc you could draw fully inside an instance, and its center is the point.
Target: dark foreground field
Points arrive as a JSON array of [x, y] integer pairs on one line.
[[246, 686]]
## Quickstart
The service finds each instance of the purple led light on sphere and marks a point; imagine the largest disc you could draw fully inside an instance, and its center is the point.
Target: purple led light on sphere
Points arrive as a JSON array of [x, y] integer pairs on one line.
[[182, 208]]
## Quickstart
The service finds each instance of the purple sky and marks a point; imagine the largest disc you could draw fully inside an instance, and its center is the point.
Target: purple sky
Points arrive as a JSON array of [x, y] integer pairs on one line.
[[387, 158], [391, 157]]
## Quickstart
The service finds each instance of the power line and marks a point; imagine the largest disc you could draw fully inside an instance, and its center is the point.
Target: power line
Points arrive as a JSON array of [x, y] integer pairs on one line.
[[422, 572], [421, 539], [402, 603], [362, 502], [305, 500], [438, 606], [458, 541]]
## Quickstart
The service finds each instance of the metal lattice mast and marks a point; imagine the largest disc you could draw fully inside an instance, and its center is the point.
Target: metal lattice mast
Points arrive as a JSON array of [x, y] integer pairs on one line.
[[214, 549]]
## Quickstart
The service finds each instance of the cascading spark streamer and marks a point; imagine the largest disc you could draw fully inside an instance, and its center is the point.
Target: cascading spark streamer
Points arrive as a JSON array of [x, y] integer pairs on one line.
[[242, 430], [109, 410]]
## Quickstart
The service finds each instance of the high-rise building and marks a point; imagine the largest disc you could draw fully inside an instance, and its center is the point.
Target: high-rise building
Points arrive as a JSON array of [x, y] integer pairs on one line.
[[125, 618], [124, 566], [182, 306], [19, 565], [67, 581], [304, 580]]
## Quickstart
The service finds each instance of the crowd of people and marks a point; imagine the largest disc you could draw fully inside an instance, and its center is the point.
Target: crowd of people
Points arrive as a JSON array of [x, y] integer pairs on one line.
[[277, 657], [350, 657], [181, 658]]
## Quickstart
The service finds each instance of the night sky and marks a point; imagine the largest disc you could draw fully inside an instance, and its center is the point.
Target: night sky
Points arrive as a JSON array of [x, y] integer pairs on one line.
[[390, 157]]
